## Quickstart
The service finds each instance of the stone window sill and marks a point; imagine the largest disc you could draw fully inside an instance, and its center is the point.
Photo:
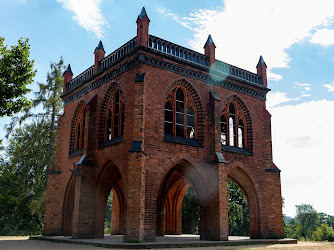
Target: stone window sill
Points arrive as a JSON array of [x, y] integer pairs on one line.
[[113, 141], [237, 150], [76, 153], [182, 140]]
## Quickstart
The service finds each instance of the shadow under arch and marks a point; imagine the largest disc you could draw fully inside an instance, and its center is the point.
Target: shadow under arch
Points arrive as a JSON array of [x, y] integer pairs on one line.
[[67, 220], [170, 196], [109, 179], [241, 178]]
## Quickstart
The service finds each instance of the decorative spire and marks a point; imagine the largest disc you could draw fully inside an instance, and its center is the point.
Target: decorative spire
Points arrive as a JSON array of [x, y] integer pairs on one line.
[[99, 46], [209, 41], [143, 14], [261, 62], [68, 70]]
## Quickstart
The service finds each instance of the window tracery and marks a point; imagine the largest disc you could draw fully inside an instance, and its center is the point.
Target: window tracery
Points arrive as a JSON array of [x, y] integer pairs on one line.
[[114, 116], [232, 123], [80, 130], [180, 113]]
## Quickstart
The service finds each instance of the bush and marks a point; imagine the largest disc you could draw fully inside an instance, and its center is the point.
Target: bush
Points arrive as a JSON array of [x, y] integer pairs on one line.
[[324, 232]]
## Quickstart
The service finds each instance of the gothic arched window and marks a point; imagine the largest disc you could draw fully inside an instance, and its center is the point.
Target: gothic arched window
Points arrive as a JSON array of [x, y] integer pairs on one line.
[[80, 130], [114, 117], [223, 130], [180, 114], [232, 123]]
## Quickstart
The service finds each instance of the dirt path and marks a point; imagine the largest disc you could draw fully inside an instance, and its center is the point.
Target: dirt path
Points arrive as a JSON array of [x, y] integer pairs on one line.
[[22, 243]]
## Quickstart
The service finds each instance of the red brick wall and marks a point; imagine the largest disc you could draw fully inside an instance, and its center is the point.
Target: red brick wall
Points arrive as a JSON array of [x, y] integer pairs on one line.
[[144, 174]]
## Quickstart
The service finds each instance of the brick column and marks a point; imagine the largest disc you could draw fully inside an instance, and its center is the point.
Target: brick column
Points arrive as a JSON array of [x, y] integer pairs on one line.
[[83, 212], [135, 195], [214, 213], [53, 206], [262, 71], [84, 198], [68, 75], [210, 50], [143, 23]]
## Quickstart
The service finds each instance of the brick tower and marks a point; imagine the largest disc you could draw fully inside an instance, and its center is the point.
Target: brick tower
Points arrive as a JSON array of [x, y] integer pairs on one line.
[[146, 122]]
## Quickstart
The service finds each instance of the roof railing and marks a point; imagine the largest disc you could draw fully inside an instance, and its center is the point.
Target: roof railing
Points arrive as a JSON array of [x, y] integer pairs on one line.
[[105, 62], [196, 57], [171, 49], [177, 50]]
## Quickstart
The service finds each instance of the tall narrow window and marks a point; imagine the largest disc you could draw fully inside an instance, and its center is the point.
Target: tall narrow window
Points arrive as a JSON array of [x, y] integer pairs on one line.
[[190, 123], [232, 125], [223, 130], [180, 114], [114, 116], [109, 124], [241, 136], [233, 128], [168, 118], [80, 130]]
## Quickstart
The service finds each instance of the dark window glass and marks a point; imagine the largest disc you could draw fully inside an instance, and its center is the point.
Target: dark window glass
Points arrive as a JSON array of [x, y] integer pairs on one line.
[[109, 119], [168, 118], [232, 125], [190, 123], [78, 136], [83, 129], [179, 112], [241, 135], [223, 130], [116, 119], [122, 119]]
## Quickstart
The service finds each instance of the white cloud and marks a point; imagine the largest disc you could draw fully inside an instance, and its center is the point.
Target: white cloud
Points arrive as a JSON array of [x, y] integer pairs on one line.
[[243, 30], [302, 149], [329, 87], [304, 86], [323, 37], [87, 14], [277, 98]]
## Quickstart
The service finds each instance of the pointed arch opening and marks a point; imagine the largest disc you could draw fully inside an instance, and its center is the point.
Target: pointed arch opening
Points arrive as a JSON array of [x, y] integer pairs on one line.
[[244, 188], [109, 201], [181, 181]]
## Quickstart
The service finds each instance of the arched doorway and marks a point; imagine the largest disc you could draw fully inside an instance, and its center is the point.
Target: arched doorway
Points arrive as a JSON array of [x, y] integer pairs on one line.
[[172, 190], [238, 213], [67, 221], [109, 181], [240, 177]]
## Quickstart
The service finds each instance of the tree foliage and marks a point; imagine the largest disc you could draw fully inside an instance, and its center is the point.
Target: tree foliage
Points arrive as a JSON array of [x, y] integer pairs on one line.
[[49, 97], [27, 158], [16, 72], [309, 224], [23, 180], [307, 220], [238, 214], [190, 212]]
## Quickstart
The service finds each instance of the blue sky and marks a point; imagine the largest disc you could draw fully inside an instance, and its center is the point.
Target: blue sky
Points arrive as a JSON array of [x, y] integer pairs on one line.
[[296, 39]]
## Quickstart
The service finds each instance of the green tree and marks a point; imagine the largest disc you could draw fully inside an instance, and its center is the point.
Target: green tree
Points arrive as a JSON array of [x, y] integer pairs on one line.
[[16, 72], [238, 214], [107, 218], [307, 220], [324, 232], [49, 96], [23, 179], [190, 212]]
